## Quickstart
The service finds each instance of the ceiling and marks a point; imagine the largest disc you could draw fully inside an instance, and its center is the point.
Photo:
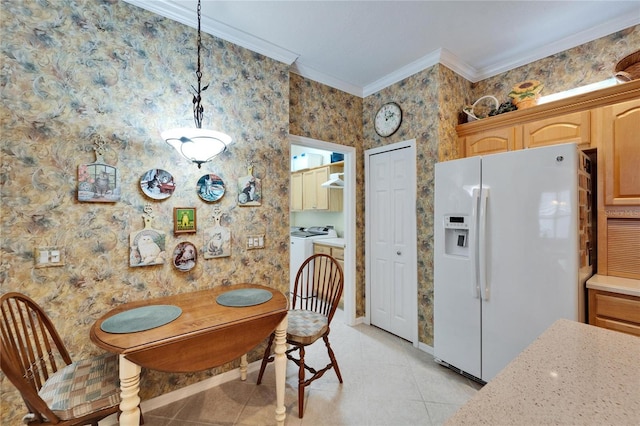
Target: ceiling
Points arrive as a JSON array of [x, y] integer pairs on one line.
[[361, 47]]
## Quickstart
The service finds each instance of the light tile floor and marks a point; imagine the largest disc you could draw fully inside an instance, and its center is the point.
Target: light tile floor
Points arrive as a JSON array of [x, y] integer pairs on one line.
[[386, 382]]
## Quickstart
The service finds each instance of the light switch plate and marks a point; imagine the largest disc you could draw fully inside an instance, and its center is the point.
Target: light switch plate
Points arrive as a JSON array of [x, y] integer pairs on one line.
[[255, 242], [49, 256]]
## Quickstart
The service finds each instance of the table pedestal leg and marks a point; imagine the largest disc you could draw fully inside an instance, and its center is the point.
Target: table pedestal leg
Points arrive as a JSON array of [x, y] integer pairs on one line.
[[129, 387], [243, 367], [280, 362]]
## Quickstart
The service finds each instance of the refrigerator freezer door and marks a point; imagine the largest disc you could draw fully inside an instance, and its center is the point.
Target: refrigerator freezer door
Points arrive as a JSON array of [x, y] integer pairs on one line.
[[531, 249], [456, 295]]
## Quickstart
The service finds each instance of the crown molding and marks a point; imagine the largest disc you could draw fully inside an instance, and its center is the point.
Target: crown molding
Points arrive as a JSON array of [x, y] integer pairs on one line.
[[457, 65], [402, 73], [218, 29], [320, 77], [567, 43], [176, 12]]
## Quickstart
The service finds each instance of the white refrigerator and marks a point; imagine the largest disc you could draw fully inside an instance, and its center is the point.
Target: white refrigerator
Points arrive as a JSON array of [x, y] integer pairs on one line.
[[513, 246]]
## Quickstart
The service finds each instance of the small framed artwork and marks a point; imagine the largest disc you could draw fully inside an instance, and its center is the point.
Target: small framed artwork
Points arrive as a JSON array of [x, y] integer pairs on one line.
[[184, 220]]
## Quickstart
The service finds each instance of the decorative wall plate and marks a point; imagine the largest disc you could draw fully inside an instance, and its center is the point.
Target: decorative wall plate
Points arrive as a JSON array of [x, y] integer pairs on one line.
[[249, 190], [157, 184], [185, 256], [210, 187]]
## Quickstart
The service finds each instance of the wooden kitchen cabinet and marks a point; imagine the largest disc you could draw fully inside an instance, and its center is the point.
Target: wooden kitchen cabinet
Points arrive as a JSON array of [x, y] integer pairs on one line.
[[620, 141], [314, 196], [336, 252], [618, 130], [493, 141], [614, 311], [582, 118], [574, 127], [307, 194], [296, 192]]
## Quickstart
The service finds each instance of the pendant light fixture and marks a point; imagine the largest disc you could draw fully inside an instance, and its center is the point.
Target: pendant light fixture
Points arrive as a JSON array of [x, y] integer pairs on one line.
[[197, 145]]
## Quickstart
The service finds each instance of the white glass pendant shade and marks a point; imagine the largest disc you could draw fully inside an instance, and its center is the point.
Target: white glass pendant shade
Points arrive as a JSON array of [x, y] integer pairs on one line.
[[197, 145]]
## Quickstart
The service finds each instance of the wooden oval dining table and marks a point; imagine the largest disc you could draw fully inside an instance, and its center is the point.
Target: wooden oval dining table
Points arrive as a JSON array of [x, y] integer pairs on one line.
[[206, 334]]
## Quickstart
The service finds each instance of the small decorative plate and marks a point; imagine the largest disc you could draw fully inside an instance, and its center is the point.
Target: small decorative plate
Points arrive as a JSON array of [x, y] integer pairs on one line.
[[244, 297], [185, 256], [141, 319], [157, 184], [210, 187]]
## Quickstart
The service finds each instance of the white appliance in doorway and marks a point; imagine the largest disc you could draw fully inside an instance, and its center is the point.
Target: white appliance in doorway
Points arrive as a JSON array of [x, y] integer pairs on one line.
[[513, 240], [302, 246]]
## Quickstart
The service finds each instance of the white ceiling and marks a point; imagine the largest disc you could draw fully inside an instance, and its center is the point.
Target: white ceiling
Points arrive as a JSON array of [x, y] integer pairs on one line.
[[361, 47]]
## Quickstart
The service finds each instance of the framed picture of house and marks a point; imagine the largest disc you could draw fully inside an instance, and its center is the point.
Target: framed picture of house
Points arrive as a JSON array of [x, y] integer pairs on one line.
[[184, 220]]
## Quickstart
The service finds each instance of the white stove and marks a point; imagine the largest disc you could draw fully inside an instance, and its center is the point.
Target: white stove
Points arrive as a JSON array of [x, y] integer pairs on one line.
[[302, 246]]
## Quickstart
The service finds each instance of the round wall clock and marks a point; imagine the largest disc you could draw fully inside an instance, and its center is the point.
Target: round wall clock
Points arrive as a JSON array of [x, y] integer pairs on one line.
[[388, 119]]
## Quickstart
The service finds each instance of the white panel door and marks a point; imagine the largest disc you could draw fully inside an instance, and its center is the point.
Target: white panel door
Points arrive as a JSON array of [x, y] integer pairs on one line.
[[393, 242]]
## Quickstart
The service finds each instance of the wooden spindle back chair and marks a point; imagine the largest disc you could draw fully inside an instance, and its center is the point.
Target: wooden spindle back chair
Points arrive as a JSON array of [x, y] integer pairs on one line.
[[316, 295], [35, 360]]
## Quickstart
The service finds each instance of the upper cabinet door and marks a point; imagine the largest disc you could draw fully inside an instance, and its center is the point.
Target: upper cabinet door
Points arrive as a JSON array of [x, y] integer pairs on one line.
[[492, 141], [296, 191], [620, 141], [574, 127]]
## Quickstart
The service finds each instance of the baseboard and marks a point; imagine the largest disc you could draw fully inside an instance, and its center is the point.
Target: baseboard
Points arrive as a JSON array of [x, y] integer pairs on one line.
[[187, 391]]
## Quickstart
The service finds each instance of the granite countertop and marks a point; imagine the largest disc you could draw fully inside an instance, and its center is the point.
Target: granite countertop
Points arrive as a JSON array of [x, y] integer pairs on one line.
[[335, 242], [573, 373], [615, 285]]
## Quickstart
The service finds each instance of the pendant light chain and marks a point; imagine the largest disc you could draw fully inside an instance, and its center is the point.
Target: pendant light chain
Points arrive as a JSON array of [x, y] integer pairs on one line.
[[198, 109], [198, 145]]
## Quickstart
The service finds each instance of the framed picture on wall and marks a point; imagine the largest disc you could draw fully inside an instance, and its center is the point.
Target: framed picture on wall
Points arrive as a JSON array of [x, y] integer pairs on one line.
[[184, 220]]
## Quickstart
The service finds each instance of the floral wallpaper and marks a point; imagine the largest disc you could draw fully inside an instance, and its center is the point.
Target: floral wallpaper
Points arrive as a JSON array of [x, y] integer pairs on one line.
[[330, 115], [582, 65], [74, 69]]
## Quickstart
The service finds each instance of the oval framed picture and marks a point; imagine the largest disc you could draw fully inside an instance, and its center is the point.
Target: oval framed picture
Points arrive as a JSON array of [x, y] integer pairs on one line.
[[185, 256], [210, 187], [157, 184]]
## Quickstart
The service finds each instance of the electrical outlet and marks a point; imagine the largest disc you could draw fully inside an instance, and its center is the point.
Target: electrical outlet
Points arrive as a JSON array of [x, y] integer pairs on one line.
[[255, 242], [49, 256]]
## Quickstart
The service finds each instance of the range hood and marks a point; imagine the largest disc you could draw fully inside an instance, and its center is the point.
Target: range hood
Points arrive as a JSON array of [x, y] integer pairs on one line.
[[334, 181]]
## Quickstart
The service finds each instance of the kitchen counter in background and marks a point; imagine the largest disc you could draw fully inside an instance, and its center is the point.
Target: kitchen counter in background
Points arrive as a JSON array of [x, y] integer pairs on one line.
[[618, 285], [334, 242], [573, 373], [614, 303]]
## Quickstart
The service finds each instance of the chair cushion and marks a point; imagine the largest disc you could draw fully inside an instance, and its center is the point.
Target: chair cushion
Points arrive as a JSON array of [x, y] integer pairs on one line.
[[83, 387], [305, 327]]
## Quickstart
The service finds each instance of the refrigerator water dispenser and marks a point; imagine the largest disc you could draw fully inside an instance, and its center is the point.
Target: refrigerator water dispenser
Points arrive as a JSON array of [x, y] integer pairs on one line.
[[456, 235]]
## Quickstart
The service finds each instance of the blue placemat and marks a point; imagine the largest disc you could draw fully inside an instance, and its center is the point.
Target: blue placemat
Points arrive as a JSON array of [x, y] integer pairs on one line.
[[140, 319], [244, 297]]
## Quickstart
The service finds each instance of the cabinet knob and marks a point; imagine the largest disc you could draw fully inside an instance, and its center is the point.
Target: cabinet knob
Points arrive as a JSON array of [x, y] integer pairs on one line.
[[399, 253]]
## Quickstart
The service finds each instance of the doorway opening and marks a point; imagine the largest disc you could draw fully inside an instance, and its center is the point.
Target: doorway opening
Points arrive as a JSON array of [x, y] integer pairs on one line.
[[343, 222]]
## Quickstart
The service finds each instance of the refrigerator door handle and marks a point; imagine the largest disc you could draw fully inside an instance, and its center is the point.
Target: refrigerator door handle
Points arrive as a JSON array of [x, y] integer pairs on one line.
[[473, 238], [482, 243]]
